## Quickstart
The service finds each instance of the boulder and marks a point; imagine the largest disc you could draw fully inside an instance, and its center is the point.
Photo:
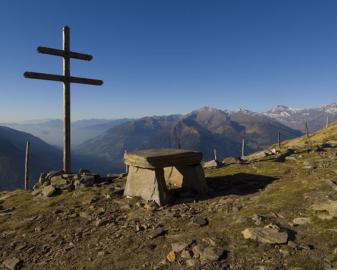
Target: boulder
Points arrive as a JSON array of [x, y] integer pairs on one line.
[[58, 181], [48, 191], [51, 174], [270, 234]]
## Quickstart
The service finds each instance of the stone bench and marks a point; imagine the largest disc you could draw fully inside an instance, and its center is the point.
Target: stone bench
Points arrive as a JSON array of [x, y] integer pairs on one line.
[[150, 171]]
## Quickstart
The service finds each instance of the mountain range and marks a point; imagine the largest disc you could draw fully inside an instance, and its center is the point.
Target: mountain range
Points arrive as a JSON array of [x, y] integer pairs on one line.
[[50, 130], [204, 130], [296, 118], [99, 144]]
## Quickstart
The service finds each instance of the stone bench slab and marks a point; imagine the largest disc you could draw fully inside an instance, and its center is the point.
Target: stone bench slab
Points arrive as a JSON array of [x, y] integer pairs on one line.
[[160, 158]]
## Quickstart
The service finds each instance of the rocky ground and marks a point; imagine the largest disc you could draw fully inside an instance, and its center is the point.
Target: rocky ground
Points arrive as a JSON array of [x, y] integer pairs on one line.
[[274, 210]]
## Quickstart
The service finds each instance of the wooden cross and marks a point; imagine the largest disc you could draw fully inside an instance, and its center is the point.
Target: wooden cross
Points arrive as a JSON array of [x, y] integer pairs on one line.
[[66, 78]]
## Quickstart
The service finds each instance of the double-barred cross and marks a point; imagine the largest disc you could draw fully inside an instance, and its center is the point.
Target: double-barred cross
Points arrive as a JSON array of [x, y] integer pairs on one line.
[[66, 78]]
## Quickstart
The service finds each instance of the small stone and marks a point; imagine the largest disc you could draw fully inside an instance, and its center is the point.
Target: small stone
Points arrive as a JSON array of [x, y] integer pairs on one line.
[[179, 246], [48, 191], [211, 253], [200, 221], [12, 263], [101, 253], [160, 231], [86, 215], [197, 250], [292, 244], [171, 256], [186, 254], [151, 206], [301, 220], [193, 263]]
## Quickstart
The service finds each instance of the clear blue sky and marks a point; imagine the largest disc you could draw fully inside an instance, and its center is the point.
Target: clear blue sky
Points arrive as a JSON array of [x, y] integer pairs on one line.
[[173, 56]]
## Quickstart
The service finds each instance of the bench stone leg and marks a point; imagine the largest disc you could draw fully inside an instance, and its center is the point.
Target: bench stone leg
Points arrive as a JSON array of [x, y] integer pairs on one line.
[[193, 178], [147, 184], [173, 177]]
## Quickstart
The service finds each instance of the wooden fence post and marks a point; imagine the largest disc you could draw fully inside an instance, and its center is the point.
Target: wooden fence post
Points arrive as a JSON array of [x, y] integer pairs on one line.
[[27, 165], [306, 129], [279, 140], [243, 146]]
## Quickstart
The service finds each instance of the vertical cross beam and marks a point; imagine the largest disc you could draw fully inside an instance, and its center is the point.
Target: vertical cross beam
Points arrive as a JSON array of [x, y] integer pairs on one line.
[[66, 101]]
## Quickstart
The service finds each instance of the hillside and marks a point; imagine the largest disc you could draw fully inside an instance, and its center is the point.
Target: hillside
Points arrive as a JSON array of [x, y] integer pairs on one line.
[[12, 154], [266, 214], [203, 130]]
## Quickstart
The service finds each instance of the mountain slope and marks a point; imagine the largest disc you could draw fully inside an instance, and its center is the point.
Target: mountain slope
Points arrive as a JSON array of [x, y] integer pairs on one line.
[[12, 153], [203, 130]]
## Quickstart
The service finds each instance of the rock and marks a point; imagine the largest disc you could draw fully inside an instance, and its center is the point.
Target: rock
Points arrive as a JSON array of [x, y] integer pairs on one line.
[[211, 253], [292, 244], [158, 232], [151, 206], [301, 220], [269, 234], [211, 164], [186, 254], [193, 263], [101, 253], [179, 246], [255, 156], [86, 215], [48, 191], [42, 178], [58, 181], [53, 173], [87, 180], [35, 192], [291, 158], [326, 210], [197, 250], [231, 160], [12, 263], [200, 221], [171, 256]]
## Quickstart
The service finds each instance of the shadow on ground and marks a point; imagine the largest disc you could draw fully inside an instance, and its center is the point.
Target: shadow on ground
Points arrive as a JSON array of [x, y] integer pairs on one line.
[[236, 184]]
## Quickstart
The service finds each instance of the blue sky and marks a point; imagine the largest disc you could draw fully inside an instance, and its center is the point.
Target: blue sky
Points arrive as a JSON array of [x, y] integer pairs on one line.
[[160, 57]]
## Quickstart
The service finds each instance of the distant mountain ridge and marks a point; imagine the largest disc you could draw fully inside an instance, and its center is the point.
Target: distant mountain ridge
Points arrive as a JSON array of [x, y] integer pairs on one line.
[[296, 118], [50, 130], [204, 129]]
